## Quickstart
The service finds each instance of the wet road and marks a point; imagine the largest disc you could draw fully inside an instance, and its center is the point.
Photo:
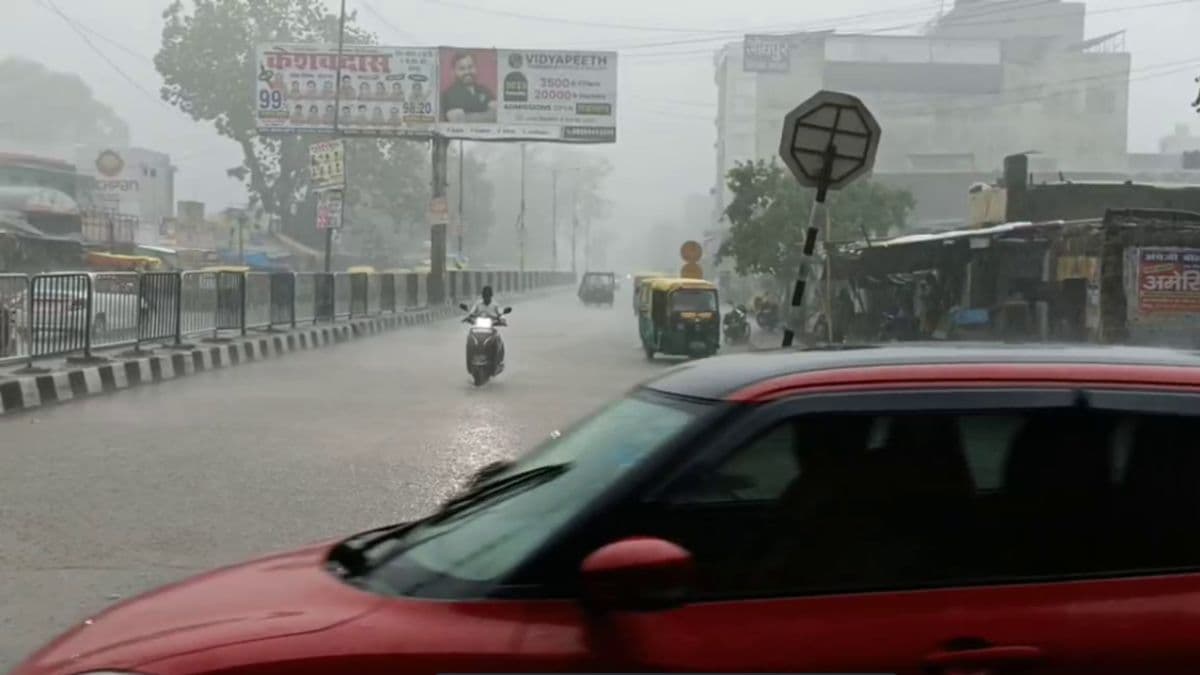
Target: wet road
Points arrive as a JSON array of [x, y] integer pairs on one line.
[[103, 498]]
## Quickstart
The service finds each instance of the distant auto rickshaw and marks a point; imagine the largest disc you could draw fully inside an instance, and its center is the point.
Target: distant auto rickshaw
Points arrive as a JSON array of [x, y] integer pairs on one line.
[[597, 288], [637, 282], [679, 317]]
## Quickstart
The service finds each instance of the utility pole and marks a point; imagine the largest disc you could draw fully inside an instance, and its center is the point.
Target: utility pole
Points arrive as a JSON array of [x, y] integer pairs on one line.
[[461, 225], [337, 111], [521, 215], [241, 239], [574, 225], [554, 220]]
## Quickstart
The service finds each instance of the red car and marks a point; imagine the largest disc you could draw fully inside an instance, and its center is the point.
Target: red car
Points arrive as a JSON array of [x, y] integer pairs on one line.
[[945, 509]]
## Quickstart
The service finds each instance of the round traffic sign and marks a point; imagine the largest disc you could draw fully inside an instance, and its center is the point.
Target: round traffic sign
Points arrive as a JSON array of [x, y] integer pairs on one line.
[[691, 271], [691, 251], [829, 126]]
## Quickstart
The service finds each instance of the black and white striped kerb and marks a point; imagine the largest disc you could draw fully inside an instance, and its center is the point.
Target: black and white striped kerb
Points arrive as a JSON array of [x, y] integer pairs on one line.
[[26, 392]]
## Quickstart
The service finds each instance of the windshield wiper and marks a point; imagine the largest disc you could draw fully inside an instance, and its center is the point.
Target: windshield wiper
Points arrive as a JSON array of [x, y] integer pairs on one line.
[[485, 491], [351, 553]]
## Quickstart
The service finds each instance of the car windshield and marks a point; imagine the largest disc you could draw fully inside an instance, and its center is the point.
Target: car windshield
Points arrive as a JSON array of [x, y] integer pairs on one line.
[[474, 548], [692, 300]]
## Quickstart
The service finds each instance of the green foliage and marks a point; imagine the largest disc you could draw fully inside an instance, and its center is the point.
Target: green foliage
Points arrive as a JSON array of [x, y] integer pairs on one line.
[[207, 64], [769, 216], [63, 110]]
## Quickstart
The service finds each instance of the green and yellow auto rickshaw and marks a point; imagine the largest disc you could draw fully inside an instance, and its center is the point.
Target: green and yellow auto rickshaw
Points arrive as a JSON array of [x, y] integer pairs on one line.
[[637, 284], [679, 317]]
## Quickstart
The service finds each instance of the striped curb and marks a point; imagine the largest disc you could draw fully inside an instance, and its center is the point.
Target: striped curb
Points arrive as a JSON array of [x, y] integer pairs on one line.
[[34, 391]]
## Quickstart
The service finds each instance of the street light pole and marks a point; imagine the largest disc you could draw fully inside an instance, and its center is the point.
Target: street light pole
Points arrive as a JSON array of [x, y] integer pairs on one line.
[[337, 111]]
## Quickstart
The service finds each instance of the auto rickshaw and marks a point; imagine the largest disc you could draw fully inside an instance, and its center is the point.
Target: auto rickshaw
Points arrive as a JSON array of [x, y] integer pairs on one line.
[[597, 288], [679, 317], [637, 283]]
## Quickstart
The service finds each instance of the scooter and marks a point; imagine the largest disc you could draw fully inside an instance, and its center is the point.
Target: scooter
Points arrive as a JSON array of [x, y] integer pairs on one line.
[[737, 325], [485, 348]]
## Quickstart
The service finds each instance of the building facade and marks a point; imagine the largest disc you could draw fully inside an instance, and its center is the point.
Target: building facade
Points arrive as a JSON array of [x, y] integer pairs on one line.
[[986, 79], [132, 183]]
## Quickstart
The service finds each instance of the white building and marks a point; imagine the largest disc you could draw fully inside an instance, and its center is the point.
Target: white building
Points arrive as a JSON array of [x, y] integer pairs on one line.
[[133, 182], [987, 79]]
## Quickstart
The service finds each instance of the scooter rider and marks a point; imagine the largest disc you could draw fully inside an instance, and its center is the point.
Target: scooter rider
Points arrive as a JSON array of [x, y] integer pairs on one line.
[[485, 307]]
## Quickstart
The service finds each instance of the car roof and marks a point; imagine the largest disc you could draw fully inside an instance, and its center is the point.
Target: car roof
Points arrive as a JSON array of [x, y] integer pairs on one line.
[[725, 376]]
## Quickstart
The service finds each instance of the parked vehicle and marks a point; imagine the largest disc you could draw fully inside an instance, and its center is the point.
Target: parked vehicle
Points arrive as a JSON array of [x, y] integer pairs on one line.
[[679, 317], [975, 509]]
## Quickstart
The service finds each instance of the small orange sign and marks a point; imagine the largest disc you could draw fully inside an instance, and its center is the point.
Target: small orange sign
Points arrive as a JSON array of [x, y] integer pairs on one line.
[[691, 251], [691, 271]]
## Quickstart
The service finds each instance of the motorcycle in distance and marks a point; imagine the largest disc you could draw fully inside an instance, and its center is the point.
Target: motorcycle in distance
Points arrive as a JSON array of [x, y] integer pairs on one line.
[[737, 325], [485, 348]]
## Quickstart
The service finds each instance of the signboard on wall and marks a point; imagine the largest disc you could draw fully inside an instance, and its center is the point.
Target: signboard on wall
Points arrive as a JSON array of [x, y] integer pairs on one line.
[[766, 54], [1168, 281]]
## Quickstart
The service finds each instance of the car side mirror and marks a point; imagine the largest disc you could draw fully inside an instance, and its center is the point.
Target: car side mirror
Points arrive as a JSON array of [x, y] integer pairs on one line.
[[637, 574], [463, 307], [508, 310]]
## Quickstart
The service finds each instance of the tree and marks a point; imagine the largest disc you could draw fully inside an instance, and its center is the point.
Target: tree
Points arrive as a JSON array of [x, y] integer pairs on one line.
[[206, 61], [769, 216], [58, 108]]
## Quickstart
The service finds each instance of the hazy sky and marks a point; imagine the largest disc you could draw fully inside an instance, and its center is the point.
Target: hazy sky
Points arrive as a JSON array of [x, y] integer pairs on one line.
[[666, 99]]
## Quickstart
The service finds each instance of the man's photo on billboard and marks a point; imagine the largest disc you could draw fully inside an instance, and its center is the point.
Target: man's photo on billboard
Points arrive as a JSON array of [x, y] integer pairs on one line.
[[468, 85]]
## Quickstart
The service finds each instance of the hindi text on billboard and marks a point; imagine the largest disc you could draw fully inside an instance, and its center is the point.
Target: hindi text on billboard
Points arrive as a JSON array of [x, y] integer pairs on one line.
[[384, 91]]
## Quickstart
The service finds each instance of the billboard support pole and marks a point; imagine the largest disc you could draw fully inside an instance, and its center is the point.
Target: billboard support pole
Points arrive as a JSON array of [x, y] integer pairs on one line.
[[461, 224], [554, 219], [437, 231], [521, 215]]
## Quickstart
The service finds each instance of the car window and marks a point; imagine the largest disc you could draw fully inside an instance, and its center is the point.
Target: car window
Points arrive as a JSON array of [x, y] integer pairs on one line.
[[851, 502]]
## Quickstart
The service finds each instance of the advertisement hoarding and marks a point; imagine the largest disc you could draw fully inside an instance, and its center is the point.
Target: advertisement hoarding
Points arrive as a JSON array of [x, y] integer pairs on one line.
[[329, 210], [384, 91], [1168, 281], [326, 165], [766, 54], [507, 94]]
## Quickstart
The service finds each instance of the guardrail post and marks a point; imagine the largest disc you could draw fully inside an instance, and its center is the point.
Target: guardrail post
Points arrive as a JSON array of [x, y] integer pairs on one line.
[[242, 301], [87, 333]]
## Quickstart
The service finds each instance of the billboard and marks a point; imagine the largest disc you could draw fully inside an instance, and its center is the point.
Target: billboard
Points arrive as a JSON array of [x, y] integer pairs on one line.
[[384, 91], [1168, 281], [480, 94], [766, 54], [509, 94]]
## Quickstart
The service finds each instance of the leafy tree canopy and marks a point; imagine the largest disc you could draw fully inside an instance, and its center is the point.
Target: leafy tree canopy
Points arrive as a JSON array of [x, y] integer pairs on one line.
[[770, 211], [54, 108]]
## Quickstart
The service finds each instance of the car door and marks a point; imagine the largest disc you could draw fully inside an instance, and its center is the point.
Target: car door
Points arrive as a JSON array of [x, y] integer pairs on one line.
[[922, 532]]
